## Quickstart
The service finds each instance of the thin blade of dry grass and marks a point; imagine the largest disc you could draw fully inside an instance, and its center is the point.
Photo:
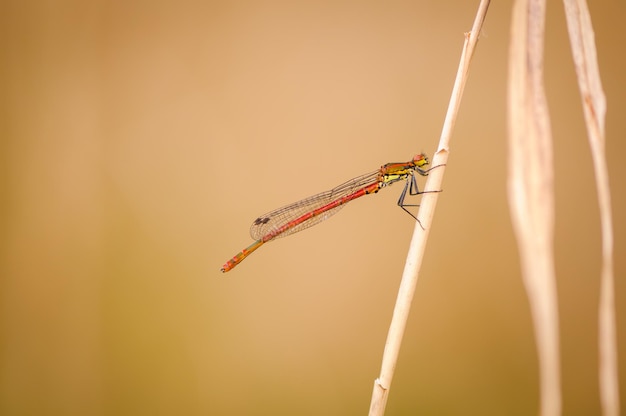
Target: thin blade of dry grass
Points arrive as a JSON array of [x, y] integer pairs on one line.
[[582, 41], [530, 189], [421, 231]]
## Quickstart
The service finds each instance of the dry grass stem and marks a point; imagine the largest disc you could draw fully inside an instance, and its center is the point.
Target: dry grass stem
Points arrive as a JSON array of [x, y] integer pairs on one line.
[[531, 190], [420, 235], [594, 107]]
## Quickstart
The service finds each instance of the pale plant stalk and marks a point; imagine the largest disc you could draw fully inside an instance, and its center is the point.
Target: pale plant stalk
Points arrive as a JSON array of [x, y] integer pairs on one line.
[[421, 231], [531, 190], [582, 41]]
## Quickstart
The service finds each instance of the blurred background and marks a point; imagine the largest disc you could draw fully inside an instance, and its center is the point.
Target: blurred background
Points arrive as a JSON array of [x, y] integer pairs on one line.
[[139, 140]]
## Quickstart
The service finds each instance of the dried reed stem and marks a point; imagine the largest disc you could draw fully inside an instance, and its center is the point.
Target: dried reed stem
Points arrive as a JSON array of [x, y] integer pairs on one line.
[[420, 235], [531, 190], [594, 107]]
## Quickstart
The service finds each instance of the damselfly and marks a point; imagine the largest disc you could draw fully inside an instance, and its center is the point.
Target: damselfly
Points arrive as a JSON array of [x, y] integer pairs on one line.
[[315, 209]]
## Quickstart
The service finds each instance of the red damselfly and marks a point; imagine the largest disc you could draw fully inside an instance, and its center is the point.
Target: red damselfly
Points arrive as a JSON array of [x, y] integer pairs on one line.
[[315, 209]]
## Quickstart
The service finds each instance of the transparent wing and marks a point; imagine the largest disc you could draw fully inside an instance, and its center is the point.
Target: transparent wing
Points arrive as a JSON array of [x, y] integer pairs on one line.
[[274, 220]]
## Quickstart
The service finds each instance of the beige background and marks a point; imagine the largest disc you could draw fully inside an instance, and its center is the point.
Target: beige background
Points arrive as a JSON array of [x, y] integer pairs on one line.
[[140, 140]]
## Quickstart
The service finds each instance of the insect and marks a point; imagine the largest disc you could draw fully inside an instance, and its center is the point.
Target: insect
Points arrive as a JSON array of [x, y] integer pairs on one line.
[[311, 211]]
